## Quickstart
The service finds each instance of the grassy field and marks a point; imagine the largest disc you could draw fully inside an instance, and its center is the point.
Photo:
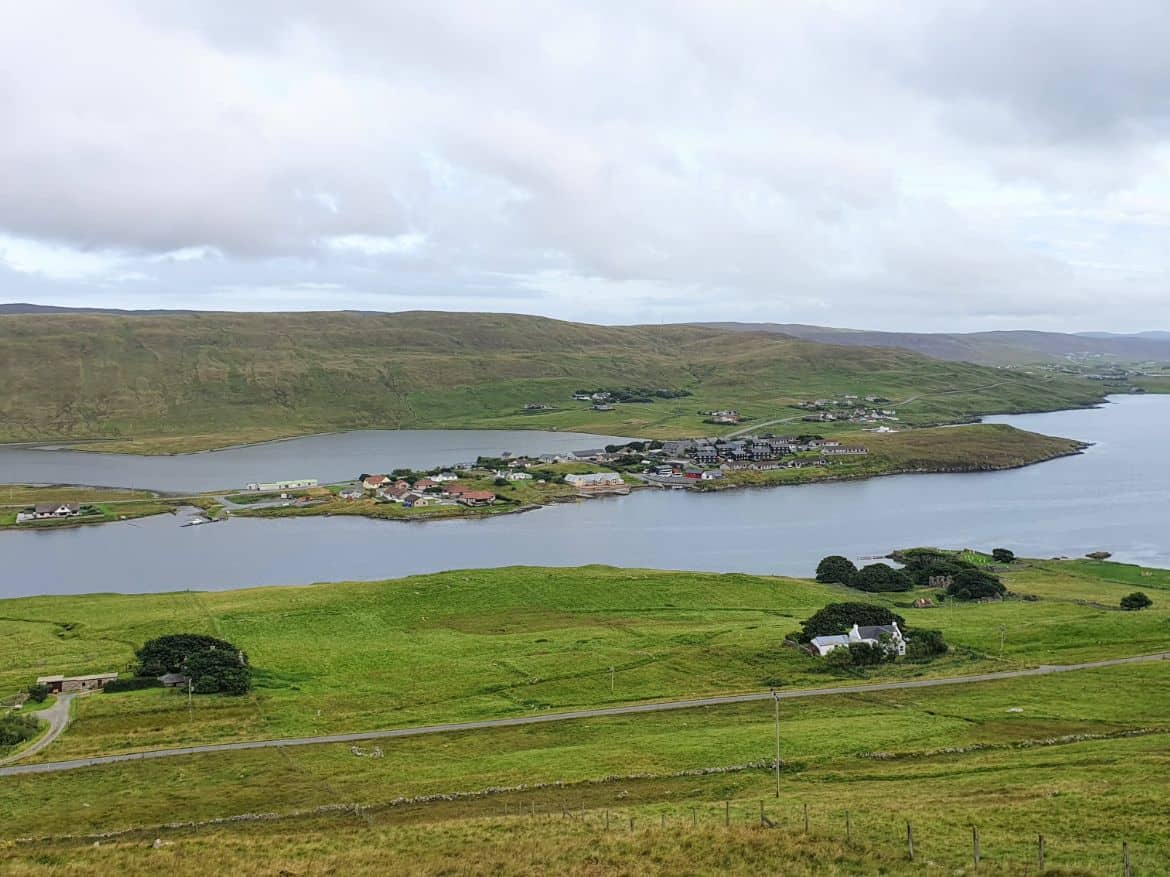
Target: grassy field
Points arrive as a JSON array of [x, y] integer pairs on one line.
[[186, 382], [1078, 757], [488, 643]]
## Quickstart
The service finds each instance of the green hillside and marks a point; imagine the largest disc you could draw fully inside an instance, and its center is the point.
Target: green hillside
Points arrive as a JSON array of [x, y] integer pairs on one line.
[[217, 378]]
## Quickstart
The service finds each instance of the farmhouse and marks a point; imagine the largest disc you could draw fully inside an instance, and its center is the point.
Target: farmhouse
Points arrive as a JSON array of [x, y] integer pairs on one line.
[[871, 634], [44, 510], [373, 482], [93, 682]]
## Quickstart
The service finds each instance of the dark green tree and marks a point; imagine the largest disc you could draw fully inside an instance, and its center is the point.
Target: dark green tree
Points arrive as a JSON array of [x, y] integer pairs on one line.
[[1136, 601], [924, 643], [975, 584], [836, 569], [878, 578], [1003, 555], [37, 693], [219, 671]]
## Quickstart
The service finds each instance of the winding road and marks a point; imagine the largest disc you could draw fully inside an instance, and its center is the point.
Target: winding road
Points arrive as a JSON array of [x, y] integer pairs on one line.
[[58, 718], [633, 709]]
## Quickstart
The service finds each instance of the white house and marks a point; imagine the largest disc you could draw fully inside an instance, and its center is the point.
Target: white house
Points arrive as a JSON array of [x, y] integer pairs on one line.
[[445, 476], [513, 475], [871, 634]]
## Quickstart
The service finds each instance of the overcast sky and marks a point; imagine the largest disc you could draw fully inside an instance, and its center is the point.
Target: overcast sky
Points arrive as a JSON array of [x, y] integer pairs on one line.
[[895, 165]]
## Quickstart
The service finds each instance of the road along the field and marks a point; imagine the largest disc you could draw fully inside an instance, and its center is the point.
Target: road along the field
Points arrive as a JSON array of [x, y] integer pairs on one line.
[[487, 724]]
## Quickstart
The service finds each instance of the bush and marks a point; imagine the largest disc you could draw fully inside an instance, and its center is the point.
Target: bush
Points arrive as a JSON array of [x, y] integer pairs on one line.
[[880, 578], [866, 654], [38, 693], [16, 729], [835, 569], [1002, 555], [1135, 602], [133, 683], [924, 643], [974, 584], [837, 618]]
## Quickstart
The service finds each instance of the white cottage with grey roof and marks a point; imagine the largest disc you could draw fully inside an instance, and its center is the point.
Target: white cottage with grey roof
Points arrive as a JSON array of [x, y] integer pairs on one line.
[[871, 634]]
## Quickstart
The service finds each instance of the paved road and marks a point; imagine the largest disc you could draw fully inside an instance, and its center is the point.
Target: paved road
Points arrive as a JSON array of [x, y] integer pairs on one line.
[[1043, 670], [58, 718]]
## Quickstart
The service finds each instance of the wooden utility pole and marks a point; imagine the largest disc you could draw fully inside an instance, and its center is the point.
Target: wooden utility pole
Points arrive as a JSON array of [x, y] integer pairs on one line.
[[776, 700], [1040, 852], [848, 828], [975, 843], [1125, 859], [910, 841], [806, 818]]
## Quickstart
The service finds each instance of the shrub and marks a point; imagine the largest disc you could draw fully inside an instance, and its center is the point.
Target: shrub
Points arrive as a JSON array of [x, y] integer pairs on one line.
[[38, 693], [16, 729], [866, 654], [974, 584], [836, 569], [133, 683], [1135, 601], [837, 618], [924, 643], [880, 578], [1002, 555]]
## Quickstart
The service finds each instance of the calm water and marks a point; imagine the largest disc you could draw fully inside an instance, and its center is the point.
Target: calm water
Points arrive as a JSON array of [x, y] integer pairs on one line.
[[328, 458], [1114, 497]]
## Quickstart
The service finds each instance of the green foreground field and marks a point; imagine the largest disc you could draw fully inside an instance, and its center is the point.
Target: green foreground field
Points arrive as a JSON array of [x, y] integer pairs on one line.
[[1080, 757]]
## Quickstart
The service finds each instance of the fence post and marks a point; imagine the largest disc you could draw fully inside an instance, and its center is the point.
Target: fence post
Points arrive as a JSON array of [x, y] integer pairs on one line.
[[761, 811], [607, 820], [1125, 858], [848, 828], [631, 824], [1040, 852], [727, 813], [975, 843], [806, 818], [695, 817], [664, 820], [910, 841]]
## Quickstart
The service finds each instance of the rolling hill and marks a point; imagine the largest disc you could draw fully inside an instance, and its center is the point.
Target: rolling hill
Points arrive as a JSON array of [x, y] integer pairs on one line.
[[218, 378], [987, 348]]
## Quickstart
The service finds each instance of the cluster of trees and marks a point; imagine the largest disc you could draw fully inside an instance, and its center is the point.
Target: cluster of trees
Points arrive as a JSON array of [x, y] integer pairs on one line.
[[964, 580], [213, 665], [874, 578], [38, 693]]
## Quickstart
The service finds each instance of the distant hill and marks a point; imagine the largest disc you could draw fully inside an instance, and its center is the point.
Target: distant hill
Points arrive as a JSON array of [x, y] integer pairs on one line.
[[215, 377], [987, 348], [26, 308]]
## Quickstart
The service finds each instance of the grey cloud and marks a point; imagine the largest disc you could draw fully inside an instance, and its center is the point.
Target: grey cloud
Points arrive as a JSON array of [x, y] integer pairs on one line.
[[906, 162]]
